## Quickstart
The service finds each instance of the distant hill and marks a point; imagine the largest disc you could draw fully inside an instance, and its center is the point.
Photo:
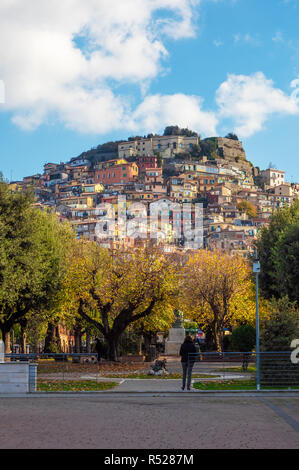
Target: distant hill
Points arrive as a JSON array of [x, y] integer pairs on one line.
[[228, 148]]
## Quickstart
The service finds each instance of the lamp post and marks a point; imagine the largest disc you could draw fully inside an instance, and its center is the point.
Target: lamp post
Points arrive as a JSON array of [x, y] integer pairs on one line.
[[257, 270]]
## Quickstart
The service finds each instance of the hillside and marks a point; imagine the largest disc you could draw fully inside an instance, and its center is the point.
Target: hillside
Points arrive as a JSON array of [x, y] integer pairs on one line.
[[228, 149]]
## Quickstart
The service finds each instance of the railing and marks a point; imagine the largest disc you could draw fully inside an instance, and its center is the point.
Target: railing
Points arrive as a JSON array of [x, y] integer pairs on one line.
[[277, 369]]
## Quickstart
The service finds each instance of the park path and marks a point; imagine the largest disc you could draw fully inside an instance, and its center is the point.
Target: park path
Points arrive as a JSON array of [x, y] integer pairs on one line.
[[149, 385]]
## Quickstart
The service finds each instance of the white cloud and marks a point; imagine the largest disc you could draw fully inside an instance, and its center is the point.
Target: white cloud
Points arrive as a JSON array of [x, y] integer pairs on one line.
[[250, 100], [48, 76], [186, 111], [278, 37]]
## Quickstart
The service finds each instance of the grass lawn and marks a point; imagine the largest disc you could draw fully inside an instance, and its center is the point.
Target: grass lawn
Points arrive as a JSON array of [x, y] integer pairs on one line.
[[169, 376], [73, 386], [235, 385], [251, 369]]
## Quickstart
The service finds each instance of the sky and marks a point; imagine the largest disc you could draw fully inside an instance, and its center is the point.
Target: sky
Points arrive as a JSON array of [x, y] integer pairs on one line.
[[77, 74]]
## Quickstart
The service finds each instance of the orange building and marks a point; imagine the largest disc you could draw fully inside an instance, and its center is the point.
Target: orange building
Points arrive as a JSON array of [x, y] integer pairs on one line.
[[116, 172]]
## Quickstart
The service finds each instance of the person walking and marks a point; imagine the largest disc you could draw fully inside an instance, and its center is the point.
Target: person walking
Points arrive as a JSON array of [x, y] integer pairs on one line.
[[187, 348]]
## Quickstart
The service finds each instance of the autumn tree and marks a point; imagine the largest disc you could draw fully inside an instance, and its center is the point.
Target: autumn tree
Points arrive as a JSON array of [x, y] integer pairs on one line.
[[114, 289], [218, 292], [159, 322], [248, 208]]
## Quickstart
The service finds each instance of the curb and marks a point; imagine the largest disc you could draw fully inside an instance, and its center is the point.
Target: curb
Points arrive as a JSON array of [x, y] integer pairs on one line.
[[223, 393]]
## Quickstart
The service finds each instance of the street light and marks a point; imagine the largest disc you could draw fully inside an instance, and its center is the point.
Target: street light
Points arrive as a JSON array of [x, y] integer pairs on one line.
[[257, 270]]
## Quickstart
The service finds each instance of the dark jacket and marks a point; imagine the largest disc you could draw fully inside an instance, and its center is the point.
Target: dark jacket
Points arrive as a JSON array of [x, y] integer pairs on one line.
[[187, 348]]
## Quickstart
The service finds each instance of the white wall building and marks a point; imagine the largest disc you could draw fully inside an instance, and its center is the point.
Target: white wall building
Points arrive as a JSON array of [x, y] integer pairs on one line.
[[273, 177]]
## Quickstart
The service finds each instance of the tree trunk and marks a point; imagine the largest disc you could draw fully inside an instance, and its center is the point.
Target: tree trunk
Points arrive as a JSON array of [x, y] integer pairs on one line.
[[52, 341], [88, 345], [218, 342], [78, 341], [7, 349], [147, 343], [49, 338], [6, 340], [113, 347], [140, 345], [216, 333], [23, 338]]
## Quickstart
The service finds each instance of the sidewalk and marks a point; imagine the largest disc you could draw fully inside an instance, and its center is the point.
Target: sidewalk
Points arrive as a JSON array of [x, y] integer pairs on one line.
[[149, 385]]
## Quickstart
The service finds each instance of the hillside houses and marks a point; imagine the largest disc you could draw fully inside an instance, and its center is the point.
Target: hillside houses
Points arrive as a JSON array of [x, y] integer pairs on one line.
[[123, 200]]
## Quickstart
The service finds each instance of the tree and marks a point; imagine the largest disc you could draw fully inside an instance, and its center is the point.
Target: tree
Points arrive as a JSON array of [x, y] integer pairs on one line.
[[112, 290], [281, 326], [208, 148], [195, 151], [32, 254], [159, 159], [218, 292], [171, 130], [287, 263], [243, 339], [160, 321], [248, 208], [232, 136], [176, 130], [278, 253]]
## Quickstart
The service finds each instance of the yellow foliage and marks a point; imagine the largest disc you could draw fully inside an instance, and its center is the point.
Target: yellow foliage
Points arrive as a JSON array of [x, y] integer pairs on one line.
[[218, 291]]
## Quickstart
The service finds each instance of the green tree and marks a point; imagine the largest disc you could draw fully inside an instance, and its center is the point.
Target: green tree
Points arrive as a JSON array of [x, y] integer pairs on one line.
[[208, 148], [32, 255], [195, 151], [281, 326], [278, 252], [287, 263], [176, 130], [232, 136], [243, 338], [159, 159]]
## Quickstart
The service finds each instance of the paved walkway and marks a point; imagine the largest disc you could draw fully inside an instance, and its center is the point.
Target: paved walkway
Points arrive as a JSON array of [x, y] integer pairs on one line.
[[187, 421]]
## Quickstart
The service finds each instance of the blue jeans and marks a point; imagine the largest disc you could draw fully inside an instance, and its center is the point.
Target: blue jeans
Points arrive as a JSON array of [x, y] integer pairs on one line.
[[187, 369]]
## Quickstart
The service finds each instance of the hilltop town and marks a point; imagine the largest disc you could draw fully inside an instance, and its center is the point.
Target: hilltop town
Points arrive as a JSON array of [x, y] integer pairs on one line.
[[178, 167]]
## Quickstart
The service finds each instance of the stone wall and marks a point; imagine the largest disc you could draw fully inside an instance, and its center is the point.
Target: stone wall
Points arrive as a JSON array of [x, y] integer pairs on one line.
[[232, 152], [17, 377]]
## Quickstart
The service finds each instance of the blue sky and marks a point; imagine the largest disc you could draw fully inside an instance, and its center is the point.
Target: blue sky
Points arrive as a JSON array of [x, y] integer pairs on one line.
[[106, 74]]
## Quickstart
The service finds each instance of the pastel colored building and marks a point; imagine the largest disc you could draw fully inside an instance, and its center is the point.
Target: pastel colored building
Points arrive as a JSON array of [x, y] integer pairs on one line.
[[116, 172]]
